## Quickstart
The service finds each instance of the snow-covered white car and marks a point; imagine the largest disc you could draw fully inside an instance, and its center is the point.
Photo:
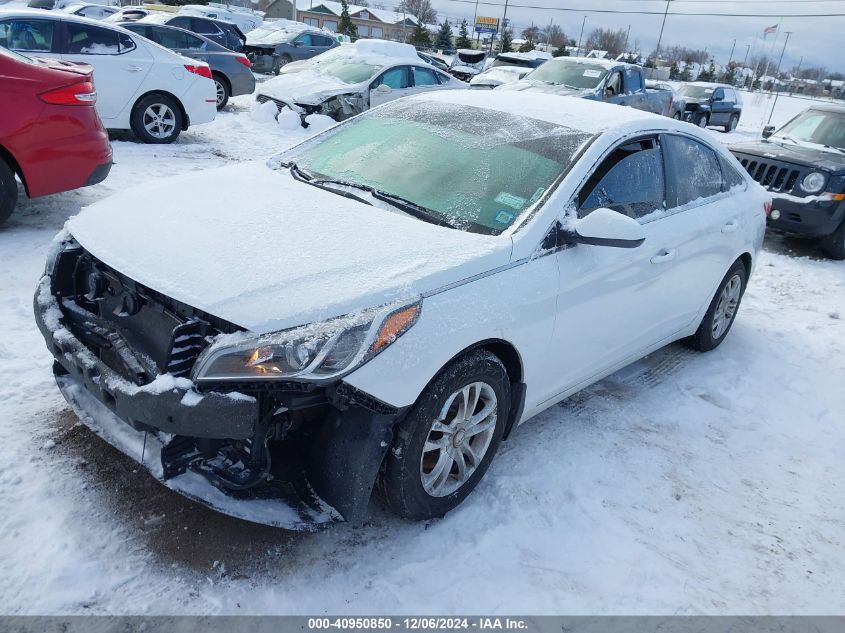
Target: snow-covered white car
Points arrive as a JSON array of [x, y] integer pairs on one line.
[[392, 297], [467, 63], [509, 68], [351, 79], [141, 86], [90, 10]]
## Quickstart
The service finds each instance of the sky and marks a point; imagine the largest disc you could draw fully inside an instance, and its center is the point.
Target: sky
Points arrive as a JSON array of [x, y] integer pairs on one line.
[[817, 39]]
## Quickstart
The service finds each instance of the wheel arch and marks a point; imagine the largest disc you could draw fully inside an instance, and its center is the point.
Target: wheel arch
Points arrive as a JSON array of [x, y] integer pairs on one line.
[[747, 261], [6, 155], [185, 118], [224, 77]]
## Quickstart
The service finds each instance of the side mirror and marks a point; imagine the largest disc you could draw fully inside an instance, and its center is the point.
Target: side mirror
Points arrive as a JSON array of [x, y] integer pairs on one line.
[[384, 89], [608, 92], [604, 227], [768, 131], [297, 43]]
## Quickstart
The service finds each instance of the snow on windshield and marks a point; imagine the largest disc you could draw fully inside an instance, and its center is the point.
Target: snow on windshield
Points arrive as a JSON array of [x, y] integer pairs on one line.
[[567, 73], [471, 167], [816, 127]]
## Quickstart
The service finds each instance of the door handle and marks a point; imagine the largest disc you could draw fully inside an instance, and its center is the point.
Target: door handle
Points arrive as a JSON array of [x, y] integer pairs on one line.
[[134, 69], [730, 227], [664, 256]]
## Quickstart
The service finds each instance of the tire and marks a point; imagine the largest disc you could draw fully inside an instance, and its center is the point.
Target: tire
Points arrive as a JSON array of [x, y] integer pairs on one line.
[[677, 115], [833, 245], [721, 314], [283, 60], [732, 123], [702, 120], [143, 121], [8, 191], [424, 484], [223, 91]]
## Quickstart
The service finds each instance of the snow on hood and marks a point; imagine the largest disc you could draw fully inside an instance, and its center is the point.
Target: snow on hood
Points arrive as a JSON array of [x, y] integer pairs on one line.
[[305, 86], [539, 86], [257, 248], [500, 75]]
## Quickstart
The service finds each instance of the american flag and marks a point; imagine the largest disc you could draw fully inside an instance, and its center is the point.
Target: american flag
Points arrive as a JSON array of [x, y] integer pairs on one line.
[[770, 29]]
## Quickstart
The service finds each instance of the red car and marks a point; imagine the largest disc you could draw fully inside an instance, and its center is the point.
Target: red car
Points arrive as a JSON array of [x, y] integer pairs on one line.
[[50, 134]]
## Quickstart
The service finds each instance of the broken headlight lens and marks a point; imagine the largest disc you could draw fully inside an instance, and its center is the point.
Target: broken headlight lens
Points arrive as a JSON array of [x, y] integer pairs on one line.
[[315, 352]]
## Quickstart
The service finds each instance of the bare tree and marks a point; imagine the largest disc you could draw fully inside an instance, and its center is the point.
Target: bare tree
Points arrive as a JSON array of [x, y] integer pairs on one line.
[[607, 40], [420, 9], [556, 36], [531, 33]]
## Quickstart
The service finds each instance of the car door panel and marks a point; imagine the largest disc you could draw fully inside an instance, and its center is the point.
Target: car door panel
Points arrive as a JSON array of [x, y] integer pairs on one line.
[[398, 79]]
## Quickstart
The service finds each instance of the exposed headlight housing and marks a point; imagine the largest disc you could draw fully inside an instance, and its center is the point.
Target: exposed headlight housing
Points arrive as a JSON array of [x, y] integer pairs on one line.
[[317, 352], [813, 182]]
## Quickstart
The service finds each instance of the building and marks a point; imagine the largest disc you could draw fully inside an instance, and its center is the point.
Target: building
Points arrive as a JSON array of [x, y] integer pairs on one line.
[[325, 14]]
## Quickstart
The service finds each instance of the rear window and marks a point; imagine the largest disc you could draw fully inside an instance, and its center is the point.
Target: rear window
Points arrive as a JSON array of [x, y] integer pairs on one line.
[[27, 35], [697, 168], [85, 39]]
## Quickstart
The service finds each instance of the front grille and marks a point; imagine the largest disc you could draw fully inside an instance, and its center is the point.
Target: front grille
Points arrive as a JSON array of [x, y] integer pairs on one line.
[[773, 175], [265, 99]]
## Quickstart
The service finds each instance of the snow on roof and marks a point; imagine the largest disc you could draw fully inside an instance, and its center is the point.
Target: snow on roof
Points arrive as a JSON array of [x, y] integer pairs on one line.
[[593, 61], [383, 49], [581, 114], [529, 56], [388, 17]]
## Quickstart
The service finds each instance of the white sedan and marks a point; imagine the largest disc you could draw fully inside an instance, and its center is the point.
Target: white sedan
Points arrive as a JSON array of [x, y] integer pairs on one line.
[[394, 296], [141, 86], [351, 79]]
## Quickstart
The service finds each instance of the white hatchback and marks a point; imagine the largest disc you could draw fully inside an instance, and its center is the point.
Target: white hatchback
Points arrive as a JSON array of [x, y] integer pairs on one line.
[[393, 297], [141, 86]]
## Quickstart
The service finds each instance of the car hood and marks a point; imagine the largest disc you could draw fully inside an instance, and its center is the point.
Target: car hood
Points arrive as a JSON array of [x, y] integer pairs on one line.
[[257, 248], [500, 75], [812, 156], [539, 86], [305, 86]]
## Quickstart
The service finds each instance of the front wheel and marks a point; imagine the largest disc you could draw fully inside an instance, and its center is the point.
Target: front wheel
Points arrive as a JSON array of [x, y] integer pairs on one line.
[[833, 245], [720, 315], [8, 191], [677, 115], [702, 120], [442, 449], [283, 60], [156, 119]]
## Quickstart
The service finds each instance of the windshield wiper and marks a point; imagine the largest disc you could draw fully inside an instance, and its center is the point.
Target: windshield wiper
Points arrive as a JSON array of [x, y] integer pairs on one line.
[[835, 149], [303, 176]]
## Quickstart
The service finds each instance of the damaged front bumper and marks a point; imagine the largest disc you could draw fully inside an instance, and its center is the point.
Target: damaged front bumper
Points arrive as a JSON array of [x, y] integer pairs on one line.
[[290, 456]]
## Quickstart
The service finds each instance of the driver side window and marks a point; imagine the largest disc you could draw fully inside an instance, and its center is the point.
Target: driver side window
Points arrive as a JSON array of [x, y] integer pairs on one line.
[[630, 181], [614, 83], [396, 78]]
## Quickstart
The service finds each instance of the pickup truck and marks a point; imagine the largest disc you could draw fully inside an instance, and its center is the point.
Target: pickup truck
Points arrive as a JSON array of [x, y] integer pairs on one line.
[[596, 79]]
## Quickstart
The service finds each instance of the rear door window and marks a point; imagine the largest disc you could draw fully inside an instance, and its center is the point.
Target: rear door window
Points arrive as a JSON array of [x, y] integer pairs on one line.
[[205, 27], [697, 173], [304, 39], [27, 35], [424, 77], [630, 181], [85, 39], [396, 78], [182, 23]]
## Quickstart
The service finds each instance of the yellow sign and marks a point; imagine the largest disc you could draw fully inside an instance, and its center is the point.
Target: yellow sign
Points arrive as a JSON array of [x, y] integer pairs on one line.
[[494, 22]]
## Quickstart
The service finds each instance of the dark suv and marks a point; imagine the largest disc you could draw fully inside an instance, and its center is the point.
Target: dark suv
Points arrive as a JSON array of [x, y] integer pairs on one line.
[[711, 104], [803, 165], [224, 33]]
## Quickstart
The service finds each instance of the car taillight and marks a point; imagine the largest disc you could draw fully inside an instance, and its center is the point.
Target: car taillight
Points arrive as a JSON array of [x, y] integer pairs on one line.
[[244, 60], [767, 207], [202, 71], [82, 93]]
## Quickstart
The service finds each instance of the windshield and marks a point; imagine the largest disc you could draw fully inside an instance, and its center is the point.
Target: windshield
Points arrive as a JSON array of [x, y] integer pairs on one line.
[[271, 36], [696, 92], [347, 70], [572, 74], [816, 126], [474, 168]]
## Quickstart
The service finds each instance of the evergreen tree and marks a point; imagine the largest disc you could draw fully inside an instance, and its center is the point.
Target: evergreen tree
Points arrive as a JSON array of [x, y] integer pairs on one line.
[[526, 47], [673, 71], [444, 36], [345, 26], [684, 76], [463, 40], [420, 36], [507, 40], [560, 51]]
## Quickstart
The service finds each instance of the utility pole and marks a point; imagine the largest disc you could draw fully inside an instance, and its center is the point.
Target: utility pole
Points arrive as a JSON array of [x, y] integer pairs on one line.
[[731, 58], [777, 72], [627, 35], [660, 37], [505, 19], [580, 37], [474, 21], [747, 49]]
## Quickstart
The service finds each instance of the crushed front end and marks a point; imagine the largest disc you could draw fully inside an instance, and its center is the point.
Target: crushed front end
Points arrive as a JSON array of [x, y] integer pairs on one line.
[[291, 454]]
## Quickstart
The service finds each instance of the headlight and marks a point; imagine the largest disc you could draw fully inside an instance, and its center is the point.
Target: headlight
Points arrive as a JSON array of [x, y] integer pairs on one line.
[[813, 182], [316, 352]]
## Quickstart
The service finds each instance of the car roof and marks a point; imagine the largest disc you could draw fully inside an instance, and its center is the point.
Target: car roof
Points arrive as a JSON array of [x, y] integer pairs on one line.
[[57, 15], [828, 107], [581, 114], [707, 84], [606, 63]]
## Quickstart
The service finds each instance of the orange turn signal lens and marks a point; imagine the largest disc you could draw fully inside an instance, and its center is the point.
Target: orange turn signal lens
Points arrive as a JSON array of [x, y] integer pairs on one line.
[[395, 326], [837, 196]]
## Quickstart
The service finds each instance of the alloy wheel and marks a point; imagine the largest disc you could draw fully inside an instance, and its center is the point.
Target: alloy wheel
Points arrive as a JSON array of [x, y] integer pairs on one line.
[[458, 440], [221, 92], [726, 308], [159, 121]]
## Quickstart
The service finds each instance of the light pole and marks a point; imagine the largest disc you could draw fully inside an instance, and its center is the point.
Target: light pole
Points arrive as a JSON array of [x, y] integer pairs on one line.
[[747, 49], [731, 58], [663, 24], [474, 21], [580, 37], [627, 35], [777, 72]]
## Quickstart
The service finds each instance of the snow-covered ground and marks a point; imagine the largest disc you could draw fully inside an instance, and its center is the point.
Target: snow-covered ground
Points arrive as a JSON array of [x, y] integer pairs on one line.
[[683, 484]]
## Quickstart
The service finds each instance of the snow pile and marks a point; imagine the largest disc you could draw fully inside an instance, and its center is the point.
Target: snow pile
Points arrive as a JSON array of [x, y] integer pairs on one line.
[[384, 49], [288, 119]]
